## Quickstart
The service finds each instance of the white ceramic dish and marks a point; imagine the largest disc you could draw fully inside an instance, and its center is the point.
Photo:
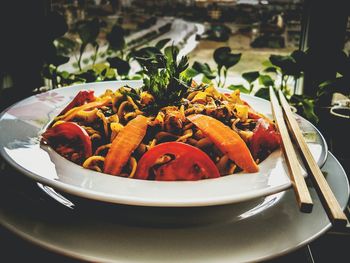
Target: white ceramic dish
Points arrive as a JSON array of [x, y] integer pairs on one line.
[[277, 229], [22, 124]]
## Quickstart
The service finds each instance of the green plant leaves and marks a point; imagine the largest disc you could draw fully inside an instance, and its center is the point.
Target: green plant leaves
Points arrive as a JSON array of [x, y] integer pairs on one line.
[[270, 69], [300, 59], [147, 52], [150, 58], [65, 74], [279, 60], [263, 93], [327, 88], [164, 74], [65, 46], [224, 58], [308, 109], [88, 31], [121, 65], [287, 65], [161, 43], [220, 55], [205, 69], [239, 87], [88, 76], [307, 105], [52, 56], [59, 60], [171, 53], [250, 77], [266, 80], [190, 73], [116, 38]]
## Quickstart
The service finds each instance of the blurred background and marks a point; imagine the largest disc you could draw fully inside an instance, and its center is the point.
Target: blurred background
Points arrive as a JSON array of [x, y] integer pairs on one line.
[[301, 47]]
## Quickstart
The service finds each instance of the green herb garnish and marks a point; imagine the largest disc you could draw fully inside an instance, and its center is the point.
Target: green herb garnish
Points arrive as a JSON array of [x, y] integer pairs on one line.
[[163, 76]]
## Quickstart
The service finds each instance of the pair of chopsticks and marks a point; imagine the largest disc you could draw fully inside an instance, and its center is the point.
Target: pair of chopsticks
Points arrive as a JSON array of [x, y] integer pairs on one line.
[[328, 200]]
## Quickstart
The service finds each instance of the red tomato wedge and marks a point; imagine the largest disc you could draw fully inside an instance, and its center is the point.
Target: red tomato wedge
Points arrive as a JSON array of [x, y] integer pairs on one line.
[[81, 98], [69, 137], [127, 140], [227, 140], [175, 161], [264, 140]]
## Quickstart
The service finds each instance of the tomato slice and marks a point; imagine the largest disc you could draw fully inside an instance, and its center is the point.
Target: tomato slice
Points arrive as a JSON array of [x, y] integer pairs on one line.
[[69, 140], [176, 161], [81, 98], [265, 139]]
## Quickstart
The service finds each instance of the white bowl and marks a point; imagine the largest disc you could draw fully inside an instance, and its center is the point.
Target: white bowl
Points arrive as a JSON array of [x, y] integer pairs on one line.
[[22, 123]]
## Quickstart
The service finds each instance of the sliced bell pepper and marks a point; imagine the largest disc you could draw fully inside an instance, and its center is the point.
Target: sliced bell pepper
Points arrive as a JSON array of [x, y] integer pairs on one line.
[[84, 96], [70, 114]]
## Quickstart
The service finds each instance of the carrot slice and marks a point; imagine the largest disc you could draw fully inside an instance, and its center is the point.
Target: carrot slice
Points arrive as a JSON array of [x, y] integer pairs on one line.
[[227, 140], [127, 140]]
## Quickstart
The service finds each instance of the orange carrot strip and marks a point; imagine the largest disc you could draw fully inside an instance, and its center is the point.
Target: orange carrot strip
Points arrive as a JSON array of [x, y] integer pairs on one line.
[[227, 140], [127, 140]]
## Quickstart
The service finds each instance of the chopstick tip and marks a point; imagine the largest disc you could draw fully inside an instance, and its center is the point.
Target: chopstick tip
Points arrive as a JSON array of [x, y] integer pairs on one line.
[[340, 223], [306, 207]]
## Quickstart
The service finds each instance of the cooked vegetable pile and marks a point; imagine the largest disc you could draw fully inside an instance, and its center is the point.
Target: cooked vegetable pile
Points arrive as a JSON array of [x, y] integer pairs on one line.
[[170, 129]]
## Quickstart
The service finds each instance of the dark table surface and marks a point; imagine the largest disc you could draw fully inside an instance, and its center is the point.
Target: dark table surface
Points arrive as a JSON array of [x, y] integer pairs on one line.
[[333, 246]]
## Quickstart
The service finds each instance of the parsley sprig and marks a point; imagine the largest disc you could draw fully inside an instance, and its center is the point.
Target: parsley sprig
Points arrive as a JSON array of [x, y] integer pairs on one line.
[[163, 75]]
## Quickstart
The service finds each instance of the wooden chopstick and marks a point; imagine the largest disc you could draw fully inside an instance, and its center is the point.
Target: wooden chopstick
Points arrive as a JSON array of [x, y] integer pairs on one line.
[[330, 203], [302, 193]]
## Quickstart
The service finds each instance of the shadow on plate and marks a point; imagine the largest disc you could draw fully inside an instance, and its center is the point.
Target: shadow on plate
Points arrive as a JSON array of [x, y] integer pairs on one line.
[[44, 201], [163, 216]]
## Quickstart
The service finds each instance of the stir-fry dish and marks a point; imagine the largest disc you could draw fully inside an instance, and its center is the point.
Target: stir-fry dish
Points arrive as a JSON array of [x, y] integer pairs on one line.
[[206, 134]]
